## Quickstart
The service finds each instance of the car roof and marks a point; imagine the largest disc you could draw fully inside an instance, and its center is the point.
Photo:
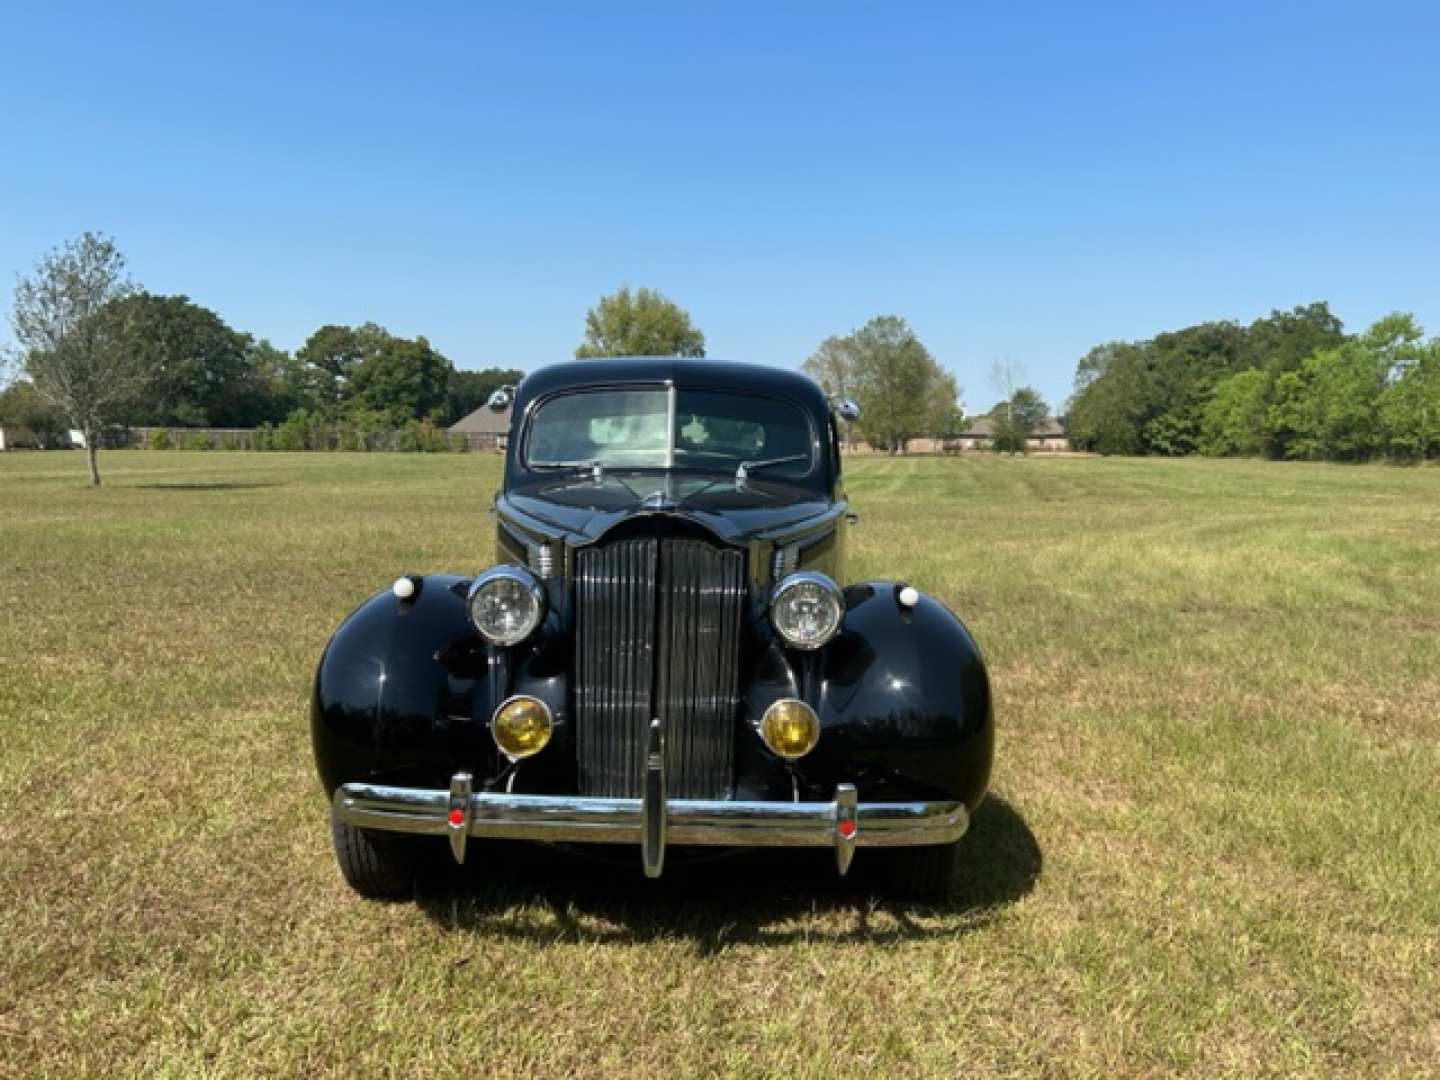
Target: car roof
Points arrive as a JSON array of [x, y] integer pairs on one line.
[[682, 371]]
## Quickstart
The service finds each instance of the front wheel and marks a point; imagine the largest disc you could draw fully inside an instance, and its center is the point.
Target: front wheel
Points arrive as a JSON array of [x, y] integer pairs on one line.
[[376, 866], [922, 873]]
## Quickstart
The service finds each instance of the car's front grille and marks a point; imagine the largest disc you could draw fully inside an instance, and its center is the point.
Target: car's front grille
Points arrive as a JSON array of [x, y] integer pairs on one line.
[[657, 633]]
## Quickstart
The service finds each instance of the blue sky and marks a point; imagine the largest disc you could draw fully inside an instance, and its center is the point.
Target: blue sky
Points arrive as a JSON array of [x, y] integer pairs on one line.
[[1019, 182]]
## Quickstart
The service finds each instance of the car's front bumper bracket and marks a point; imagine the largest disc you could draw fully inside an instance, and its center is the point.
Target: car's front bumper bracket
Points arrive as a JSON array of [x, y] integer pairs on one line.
[[459, 813]]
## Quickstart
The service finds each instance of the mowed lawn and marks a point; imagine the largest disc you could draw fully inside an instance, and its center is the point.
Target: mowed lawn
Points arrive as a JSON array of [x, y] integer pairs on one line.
[[1213, 844]]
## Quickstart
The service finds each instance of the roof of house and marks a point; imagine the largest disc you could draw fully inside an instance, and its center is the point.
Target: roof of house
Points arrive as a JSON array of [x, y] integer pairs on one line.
[[482, 421], [984, 428]]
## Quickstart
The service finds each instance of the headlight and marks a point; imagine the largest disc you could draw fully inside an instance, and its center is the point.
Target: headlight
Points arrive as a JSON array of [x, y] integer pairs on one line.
[[506, 604], [790, 728], [521, 726], [806, 609]]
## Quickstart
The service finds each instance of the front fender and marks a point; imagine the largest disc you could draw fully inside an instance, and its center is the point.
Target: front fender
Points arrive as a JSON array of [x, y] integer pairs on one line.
[[905, 699], [405, 690]]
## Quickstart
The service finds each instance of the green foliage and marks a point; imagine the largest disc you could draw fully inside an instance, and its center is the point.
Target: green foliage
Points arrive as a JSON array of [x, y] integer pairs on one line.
[[159, 439], [276, 382], [198, 372], [403, 380], [1235, 420], [835, 364], [344, 371], [28, 418], [902, 392], [642, 323], [302, 430], [1016, 417], [1111, 388], [421, 436], [1289, 385], [1328, 408], [326, 362], [70, 336], [1410, 407], [360, 430]]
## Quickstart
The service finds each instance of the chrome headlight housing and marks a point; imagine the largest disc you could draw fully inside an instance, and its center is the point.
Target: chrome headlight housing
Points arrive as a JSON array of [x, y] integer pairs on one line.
[[506, 604], [806, 609]]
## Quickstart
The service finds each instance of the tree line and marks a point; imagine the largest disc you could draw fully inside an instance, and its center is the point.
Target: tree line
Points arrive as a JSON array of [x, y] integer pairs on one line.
[[97, 351], [1291, 385]]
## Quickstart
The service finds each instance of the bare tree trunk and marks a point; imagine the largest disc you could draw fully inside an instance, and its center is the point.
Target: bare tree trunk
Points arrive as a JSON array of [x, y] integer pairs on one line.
[[91, 453]]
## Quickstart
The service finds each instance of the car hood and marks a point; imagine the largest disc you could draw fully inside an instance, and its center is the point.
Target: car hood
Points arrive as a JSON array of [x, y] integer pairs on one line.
[[581, 510]]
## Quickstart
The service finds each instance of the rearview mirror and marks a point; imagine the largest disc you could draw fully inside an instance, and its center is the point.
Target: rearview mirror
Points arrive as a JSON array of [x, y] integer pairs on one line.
[[499, 400], [845, 408]]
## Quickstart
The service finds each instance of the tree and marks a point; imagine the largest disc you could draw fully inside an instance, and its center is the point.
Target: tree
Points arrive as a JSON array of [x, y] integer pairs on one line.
[[197, 369], [28, 417], [1283, 339], [328, 359], [276, 381], [901, 390], [70, 331], [1235, 420], [642, 323], [1152, 396], [1410, 406], [471, 389], [945, 415], [1016, 417], [1358, 399], [1110, 392], [835, 366], [401, 379], [1328, 408]]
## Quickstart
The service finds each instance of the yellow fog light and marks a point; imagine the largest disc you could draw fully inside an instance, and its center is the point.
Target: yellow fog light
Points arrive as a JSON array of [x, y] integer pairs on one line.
[[790, 728], [521, 726]]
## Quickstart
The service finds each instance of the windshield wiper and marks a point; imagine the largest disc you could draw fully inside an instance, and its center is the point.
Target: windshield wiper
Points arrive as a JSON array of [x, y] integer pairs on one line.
[[593, 464], [597, 473], [743, 470]]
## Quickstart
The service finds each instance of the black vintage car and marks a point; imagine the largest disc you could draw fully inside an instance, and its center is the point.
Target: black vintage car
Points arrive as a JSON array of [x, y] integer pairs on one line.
[[663, 654]]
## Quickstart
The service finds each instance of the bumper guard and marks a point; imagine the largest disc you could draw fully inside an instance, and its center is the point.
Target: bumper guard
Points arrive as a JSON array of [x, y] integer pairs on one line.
[[652, 822]]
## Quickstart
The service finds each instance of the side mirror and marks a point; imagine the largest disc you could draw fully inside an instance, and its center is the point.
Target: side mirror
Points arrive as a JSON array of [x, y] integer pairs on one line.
[[845, 408], [499, 400]]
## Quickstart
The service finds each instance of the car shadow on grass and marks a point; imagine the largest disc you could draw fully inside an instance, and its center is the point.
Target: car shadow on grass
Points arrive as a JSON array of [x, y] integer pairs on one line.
[[765, 897]]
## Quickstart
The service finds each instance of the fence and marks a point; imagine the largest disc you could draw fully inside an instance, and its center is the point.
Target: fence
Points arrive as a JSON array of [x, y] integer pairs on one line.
[[319, 437]]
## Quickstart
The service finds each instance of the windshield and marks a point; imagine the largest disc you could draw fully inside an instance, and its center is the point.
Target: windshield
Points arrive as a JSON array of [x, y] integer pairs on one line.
[[660, 428]]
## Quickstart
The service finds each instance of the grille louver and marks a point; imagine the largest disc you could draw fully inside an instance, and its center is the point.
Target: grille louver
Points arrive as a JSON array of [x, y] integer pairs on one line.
[[657, 633]]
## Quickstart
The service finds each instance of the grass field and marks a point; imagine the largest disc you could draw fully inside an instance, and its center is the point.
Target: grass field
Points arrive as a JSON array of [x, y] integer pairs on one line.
[[1213, 846]]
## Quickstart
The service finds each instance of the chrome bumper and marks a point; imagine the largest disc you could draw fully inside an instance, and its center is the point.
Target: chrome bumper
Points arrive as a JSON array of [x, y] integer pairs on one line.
[[651, 822]]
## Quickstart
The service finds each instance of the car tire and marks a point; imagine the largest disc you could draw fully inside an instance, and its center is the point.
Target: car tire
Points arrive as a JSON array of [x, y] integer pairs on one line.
[[922, 873], [376, 866]]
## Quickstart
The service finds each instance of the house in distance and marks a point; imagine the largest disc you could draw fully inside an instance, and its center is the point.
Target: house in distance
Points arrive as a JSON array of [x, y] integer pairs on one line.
[[483, 429]]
